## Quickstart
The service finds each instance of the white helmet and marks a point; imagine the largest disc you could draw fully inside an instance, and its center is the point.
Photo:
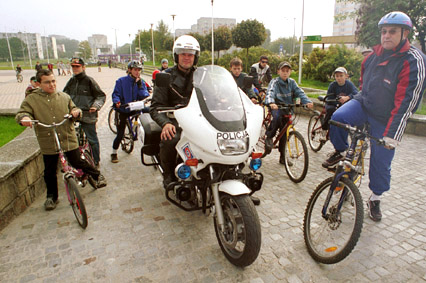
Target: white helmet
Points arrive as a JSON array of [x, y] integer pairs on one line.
[[186, 44]]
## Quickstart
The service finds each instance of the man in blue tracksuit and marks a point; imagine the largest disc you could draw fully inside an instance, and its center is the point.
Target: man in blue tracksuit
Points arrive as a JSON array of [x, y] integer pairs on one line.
[[127, 89], [282, 90], [392, 84]]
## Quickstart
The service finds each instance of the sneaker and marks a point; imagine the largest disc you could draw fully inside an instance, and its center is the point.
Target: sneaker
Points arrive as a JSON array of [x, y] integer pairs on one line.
[[255, 200], [92, 181], [269, 144], [374, 210], [333, 159], [50, 204], [282, 161], [101, 182], [114, 158]]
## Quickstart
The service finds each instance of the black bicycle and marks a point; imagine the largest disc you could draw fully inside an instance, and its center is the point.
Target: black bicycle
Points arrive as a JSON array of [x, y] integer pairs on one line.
[[317, 136], [334, 215]]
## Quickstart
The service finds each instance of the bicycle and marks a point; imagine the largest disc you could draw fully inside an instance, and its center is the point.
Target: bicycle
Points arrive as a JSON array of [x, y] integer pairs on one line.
[[334, 214], [317, 136], [71, 176], [132, 124], [293, 147], [113, 120], [19, 77], [84, 146]]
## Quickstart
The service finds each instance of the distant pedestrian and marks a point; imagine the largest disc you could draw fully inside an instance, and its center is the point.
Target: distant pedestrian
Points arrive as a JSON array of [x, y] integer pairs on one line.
[[38, 66], [50, 66], [59, 68]]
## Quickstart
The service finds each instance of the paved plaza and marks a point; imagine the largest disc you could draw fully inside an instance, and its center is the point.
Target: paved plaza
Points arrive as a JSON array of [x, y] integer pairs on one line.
[[135, 235]]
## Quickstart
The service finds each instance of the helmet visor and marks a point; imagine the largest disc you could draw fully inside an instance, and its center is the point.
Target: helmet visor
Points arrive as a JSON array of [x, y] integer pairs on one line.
[[184, 50]]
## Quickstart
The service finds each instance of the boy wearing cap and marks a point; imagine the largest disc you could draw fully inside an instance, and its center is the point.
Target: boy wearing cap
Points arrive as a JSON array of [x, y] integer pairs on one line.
[[90, 98], [282, 90], [341, 88]]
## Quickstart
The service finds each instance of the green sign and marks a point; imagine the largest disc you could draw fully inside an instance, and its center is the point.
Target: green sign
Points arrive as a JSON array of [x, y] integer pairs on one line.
[[312, 38]]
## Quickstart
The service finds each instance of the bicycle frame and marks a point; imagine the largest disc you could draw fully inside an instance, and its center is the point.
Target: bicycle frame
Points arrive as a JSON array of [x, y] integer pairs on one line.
[[347, 167]]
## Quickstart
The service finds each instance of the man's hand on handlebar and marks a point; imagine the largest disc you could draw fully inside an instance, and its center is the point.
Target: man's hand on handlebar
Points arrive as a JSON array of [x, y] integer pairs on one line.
[[168, 132]]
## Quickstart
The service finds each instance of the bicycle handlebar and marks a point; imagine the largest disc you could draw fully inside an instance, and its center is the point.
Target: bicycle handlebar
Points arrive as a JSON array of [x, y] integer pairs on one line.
[[352, 130], [66, 118]]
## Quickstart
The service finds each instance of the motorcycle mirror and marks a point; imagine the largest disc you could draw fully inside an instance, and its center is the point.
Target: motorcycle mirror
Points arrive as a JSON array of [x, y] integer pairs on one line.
[[248, 81], [162, 79]]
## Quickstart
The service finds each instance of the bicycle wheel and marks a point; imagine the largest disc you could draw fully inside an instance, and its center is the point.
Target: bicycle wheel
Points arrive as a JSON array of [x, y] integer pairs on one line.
[[316, 135], [127, 142], [76, 202], [331, 237], [296, 158], [113, 120], [260, 145]]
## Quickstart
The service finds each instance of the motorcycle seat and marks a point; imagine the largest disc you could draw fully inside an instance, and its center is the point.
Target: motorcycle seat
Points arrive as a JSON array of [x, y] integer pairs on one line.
[[152, 135]]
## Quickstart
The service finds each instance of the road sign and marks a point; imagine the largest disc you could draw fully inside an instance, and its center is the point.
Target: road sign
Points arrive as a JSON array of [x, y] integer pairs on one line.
[[312, 39]]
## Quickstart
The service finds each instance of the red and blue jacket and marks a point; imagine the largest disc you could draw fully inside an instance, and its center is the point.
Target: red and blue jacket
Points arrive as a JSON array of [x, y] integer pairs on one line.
[[392, 84]]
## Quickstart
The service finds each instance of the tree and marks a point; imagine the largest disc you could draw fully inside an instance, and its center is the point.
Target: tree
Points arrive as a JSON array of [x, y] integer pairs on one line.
[[17, 48], [222, 39], [248, 34], [85, 49], [71, 47], [370, 12]]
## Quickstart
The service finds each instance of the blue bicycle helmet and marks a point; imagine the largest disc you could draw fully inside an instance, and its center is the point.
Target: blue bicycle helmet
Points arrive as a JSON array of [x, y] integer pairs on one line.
[[396, 18], [134, 64]]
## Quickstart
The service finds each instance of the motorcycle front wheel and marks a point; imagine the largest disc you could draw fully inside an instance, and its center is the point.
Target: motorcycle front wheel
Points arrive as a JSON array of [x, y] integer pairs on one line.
[[240, 239]]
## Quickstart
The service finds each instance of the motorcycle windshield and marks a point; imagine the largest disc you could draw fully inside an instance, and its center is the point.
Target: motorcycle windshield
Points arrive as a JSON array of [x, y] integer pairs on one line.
[[219, 98]]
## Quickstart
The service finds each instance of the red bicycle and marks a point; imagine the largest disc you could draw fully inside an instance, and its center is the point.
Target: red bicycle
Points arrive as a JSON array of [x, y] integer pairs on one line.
[[292, 145]]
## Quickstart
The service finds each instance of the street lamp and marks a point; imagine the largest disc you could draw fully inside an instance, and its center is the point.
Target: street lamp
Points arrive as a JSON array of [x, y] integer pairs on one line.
[[139, 35], [174, 31], [212, 37], [130, 38], [152, 39], [116, 45], [301, 44]]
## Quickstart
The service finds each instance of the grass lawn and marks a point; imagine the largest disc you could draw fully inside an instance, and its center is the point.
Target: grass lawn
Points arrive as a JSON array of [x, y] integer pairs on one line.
[[9, 129]]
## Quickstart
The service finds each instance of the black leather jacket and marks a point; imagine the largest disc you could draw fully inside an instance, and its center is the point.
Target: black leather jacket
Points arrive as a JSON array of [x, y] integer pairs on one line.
[[178, 92]]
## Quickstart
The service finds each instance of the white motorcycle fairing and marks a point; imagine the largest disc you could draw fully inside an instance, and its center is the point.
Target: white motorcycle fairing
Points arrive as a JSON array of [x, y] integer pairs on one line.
[[224, 104]]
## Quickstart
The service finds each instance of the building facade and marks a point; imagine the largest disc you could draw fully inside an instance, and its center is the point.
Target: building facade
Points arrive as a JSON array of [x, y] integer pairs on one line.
[[204, 25], [345, 26], [33, 41], [99, 45]]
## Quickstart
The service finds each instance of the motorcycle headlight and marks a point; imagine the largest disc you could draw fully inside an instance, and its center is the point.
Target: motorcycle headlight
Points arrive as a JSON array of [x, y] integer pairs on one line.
[[255, 164], [183, 171], [233, 146]]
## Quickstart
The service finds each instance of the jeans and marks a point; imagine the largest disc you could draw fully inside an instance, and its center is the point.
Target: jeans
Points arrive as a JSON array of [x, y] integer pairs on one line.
[[278, 121], [380, 158], [92, 137], [51, 168], [121, 127]]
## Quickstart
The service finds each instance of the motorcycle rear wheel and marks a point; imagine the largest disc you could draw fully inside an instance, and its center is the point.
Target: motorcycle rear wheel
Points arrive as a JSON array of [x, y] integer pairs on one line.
[[241, 239]]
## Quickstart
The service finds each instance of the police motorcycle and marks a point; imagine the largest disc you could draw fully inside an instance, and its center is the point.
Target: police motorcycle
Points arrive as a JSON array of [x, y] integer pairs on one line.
[[216, 163]]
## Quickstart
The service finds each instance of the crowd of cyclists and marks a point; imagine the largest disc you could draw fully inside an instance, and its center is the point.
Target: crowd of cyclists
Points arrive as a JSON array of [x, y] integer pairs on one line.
[[391, 85]]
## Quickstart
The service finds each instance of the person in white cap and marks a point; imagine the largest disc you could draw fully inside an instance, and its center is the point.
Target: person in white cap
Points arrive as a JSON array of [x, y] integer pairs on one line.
[[341, 88]]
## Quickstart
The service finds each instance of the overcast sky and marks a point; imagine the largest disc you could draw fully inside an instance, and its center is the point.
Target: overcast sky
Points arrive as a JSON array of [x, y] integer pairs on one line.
[[79, 19]]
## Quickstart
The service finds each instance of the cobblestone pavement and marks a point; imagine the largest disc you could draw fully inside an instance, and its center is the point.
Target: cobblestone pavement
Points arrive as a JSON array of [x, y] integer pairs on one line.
[[136, 235]]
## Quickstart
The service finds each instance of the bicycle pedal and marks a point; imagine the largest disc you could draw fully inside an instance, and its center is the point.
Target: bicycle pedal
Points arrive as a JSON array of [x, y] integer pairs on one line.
[[331, 169]]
